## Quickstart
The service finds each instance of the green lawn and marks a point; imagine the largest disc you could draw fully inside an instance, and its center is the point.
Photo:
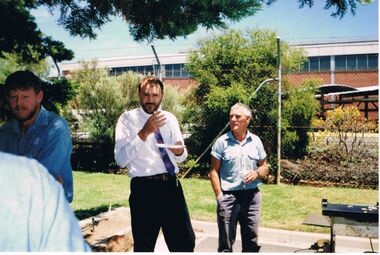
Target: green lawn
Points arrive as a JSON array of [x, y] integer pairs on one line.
[[284, 206]]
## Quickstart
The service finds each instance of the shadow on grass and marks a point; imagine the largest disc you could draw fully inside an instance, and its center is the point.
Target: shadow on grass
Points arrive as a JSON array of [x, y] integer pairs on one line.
[[84, 214]]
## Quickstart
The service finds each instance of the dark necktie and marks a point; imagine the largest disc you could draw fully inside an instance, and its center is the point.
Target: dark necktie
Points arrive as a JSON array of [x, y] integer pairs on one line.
[[164, 154]]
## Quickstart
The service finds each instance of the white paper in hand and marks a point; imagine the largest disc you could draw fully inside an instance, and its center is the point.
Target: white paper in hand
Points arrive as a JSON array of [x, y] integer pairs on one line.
[[170, 146]]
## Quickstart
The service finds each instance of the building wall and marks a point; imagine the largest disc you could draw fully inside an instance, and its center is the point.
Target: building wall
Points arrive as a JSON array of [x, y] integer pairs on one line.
[[180, 83], [357, 79], [298, 78]]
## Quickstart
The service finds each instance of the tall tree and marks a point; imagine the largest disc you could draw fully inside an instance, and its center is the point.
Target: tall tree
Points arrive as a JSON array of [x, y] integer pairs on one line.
[[229, 68], [19, 34], [341, 6], [147, 20]]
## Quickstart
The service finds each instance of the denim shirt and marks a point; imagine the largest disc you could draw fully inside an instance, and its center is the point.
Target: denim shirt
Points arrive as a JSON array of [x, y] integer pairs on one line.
[[47, 140], [237, 158]]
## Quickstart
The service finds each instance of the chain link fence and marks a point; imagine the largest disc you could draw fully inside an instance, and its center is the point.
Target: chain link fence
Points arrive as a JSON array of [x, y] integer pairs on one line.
[[324, 147]]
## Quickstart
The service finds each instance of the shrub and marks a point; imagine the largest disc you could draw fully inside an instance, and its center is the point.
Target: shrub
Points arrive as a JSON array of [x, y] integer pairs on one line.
[[298, 112], [348, 125]]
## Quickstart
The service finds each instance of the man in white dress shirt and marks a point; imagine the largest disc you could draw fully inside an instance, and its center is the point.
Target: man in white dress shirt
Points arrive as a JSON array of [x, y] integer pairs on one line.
[[156, 200]]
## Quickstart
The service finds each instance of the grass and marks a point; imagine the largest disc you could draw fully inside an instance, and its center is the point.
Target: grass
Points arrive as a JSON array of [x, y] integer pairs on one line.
[[284, 206]]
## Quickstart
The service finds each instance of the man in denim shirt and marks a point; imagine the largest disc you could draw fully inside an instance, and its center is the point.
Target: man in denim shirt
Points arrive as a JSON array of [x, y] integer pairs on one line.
[[238, 164], [35, 132]]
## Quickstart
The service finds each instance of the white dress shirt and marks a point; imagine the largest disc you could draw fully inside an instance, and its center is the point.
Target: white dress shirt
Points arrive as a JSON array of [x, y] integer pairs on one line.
[[142, 158]]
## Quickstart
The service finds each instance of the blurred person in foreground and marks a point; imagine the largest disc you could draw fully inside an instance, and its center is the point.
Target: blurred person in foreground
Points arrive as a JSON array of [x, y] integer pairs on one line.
[[35, 132], [149, 144], [34, 214], [238, 164]]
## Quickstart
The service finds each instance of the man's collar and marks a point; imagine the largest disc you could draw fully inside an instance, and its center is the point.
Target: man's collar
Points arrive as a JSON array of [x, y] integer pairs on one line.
[[41, 120], [248, 137], [145, 114]]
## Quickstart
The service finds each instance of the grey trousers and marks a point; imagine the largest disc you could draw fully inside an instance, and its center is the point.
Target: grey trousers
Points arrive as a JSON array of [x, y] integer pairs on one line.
[[241, 206]]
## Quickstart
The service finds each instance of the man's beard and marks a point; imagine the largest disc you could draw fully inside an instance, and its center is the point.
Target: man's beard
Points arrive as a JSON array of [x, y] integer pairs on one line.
[[29, 116], [145, 108]]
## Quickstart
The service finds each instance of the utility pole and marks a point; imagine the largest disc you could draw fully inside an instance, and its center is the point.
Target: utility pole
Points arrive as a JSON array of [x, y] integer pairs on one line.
[[158, 62], [279, 113]]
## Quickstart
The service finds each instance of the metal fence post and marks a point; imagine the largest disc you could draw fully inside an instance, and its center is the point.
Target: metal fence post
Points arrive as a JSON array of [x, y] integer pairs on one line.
[[279, 113]]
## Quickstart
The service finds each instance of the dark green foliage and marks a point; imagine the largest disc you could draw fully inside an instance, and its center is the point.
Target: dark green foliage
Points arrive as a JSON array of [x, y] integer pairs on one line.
[[264, 119], [20, 34], [18, 31], [10, 63], [340, 6], [229, 68], [298, 112], [57, 93], [159, 19], [147, 20]]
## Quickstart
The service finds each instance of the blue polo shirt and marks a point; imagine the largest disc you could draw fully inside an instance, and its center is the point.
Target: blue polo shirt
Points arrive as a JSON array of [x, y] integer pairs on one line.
[[47, 140], [237, 157]]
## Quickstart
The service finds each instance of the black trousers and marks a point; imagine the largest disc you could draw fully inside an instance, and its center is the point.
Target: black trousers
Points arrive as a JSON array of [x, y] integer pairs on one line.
[[159, 204]]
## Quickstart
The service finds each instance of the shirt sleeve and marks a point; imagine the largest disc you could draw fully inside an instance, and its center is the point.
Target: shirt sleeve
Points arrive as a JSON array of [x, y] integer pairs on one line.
[[260, 148], [127, 142], [217, 149], [177, 137]]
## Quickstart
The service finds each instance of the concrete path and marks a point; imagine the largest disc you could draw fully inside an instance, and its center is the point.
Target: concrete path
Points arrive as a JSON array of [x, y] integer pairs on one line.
[[273, 240]]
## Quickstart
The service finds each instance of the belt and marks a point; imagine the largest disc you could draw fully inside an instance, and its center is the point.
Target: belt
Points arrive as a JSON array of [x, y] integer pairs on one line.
[[159, 177], [241, 191]]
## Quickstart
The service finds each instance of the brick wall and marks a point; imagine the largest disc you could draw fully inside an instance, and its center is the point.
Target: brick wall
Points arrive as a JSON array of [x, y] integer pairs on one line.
[[298, 78], [352, 78], [180, 83], [358, 78]]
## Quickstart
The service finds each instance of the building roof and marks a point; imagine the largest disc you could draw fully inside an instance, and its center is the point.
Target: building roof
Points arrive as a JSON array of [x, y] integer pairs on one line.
[[333, 88], [311, 50], [340, 48], [345, 90]]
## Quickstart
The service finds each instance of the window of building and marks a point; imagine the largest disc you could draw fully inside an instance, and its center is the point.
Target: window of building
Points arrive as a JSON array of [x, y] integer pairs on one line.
[[340, 63], [176, 70], [185, 73], [356, 62], [324, 63], [305, 67], [169, 70], [373, 61], [314, 64], [362, 61], [351, 62]]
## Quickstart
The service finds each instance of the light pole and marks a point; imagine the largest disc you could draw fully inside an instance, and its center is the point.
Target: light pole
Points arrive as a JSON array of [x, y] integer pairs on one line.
[[279, 113], [158, 62]]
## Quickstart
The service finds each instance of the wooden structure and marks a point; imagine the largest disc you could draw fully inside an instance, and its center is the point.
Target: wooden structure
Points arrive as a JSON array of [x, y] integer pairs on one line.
[[366, 100]]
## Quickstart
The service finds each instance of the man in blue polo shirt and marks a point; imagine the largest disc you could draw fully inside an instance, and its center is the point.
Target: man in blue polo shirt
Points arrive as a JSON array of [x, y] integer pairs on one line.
[[238, 163], [34, 132]]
